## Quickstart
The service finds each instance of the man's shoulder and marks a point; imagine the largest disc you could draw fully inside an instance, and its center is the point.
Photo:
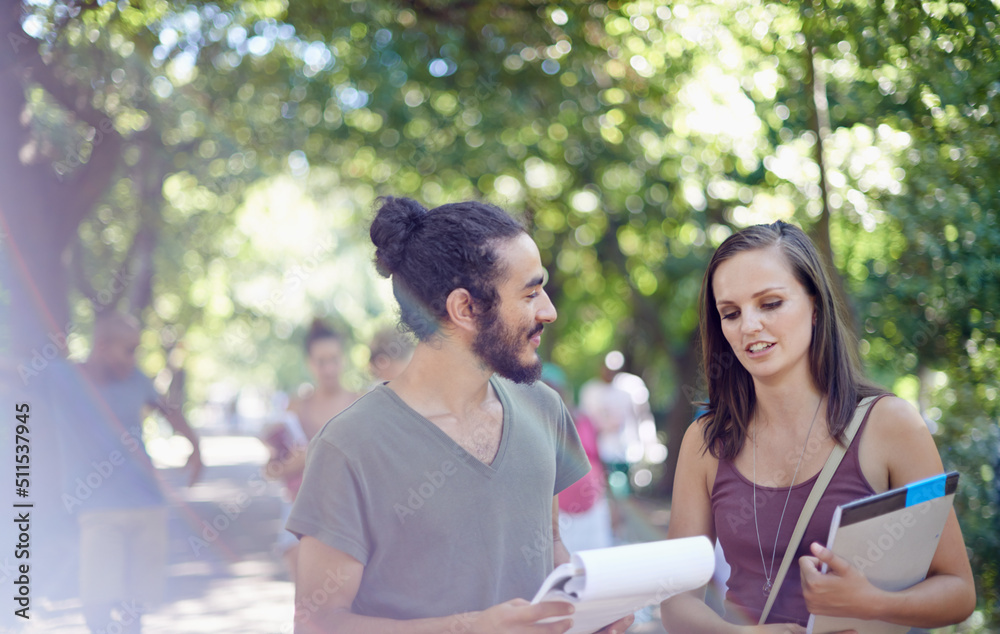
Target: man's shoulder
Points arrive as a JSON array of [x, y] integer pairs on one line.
[[359, 422], [536, 394]]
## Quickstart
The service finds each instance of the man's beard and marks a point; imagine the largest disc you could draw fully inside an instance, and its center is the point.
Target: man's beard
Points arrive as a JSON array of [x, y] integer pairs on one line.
[[499, 347]]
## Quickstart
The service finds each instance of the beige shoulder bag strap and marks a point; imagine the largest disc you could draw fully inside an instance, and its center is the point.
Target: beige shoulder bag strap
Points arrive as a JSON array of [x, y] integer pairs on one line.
[[814, 495]]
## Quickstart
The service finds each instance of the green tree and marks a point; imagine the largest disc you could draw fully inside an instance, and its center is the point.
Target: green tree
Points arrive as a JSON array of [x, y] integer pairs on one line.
[[162, 156]]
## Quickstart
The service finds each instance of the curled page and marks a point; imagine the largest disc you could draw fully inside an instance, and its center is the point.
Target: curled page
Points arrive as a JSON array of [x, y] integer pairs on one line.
[[608, 584]]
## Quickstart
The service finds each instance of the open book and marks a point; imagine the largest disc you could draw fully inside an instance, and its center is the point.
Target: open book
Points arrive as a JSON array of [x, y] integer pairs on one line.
[[607, 584], [890, 537]]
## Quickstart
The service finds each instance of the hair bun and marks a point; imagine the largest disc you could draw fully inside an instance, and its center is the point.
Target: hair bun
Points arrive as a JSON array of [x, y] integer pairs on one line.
[[395, 223]]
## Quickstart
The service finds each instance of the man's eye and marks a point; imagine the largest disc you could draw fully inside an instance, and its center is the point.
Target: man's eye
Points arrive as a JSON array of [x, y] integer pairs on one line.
[[533, 295]]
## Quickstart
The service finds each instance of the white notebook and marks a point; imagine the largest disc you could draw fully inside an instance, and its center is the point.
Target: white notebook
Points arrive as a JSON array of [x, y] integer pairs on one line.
[[607, 584], [891, 537]]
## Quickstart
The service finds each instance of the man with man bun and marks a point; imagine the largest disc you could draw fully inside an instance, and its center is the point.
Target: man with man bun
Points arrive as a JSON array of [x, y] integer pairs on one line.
[[430, 504]]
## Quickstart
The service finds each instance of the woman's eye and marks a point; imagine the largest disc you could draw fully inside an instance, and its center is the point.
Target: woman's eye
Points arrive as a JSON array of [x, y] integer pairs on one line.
[[772, 305], [731, 315]]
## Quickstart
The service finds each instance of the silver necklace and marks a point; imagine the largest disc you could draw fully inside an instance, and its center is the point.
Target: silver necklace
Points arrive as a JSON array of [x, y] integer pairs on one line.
[[769, 571]]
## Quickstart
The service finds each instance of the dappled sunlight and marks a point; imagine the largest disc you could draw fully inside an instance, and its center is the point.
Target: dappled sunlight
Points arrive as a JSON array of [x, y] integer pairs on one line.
[[212, 169]]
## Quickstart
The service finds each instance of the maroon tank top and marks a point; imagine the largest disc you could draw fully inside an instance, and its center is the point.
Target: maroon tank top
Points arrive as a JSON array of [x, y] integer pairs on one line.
[[733, 511]]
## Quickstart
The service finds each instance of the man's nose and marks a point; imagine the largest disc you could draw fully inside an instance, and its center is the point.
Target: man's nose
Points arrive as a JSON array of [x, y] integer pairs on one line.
[[547, 314]]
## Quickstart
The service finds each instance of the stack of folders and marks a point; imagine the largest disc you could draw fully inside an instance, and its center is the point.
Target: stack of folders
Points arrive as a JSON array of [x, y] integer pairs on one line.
[[891, 538]]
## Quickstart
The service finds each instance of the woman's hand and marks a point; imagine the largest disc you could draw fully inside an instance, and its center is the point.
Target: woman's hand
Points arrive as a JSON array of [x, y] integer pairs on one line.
[[842, 590]]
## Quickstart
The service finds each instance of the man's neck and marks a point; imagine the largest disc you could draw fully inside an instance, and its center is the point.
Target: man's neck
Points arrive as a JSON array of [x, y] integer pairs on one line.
[[444, 377]]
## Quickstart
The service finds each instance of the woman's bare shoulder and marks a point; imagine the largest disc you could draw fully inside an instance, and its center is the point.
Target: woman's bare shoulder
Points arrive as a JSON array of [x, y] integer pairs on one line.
[[900, 442], [695, 453], [895, 418]]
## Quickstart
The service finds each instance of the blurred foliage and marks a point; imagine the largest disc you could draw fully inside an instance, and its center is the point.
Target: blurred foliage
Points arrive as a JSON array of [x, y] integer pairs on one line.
[[634, 137]]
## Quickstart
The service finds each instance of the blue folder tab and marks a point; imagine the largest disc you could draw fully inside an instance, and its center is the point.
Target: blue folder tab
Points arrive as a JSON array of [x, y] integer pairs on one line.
[[924, 490]]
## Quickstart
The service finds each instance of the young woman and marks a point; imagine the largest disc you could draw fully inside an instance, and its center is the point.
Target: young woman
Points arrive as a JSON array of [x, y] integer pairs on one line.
[[784, 382]]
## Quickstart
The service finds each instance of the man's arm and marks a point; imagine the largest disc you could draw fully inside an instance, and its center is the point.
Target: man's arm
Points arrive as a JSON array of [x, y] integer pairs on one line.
[[180, 426], [560, 553], [328, 581]]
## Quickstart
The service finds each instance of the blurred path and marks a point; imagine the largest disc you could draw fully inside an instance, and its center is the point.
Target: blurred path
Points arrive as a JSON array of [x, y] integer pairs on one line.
[[222, 576], [644, 520]]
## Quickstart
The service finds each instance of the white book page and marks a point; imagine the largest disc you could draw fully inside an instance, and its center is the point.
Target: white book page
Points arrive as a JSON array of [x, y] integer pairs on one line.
[[608, 584]]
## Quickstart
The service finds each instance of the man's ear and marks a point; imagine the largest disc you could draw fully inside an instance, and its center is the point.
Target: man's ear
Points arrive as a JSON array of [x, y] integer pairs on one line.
[[461, 310]]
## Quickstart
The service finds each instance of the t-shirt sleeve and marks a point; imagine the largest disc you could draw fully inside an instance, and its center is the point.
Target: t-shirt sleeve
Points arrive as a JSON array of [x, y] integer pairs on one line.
[[571, 460], [330, 505]]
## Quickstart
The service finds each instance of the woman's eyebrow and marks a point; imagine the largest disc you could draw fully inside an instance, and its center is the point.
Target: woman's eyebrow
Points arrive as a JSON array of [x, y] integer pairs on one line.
[[770, 289]]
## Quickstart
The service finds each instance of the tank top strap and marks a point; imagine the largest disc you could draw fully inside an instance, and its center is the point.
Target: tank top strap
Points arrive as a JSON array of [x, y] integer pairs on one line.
[[854, 447]]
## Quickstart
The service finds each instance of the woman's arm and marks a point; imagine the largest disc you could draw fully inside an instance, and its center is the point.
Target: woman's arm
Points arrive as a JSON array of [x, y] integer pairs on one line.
[[690, 515], [897, 438]]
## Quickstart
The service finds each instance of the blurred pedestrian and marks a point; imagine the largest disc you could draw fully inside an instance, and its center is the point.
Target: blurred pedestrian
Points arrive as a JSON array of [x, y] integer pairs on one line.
[[110, 483], [390, 352], [288, 439], [614, 414], [584, 513]]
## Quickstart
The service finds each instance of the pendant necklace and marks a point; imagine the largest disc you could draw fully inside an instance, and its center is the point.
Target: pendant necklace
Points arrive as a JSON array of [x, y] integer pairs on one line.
[[769, 571]]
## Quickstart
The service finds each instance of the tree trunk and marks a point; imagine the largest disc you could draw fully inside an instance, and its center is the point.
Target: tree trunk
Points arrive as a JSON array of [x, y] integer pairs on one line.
[[819, 123], [34, 280], [40, 211]]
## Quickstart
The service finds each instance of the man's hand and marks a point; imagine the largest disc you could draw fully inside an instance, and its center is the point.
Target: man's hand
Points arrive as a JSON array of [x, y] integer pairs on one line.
[[518, 616]]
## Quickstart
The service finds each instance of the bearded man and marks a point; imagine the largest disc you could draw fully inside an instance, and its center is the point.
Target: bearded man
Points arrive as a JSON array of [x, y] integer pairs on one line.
[[430, 505]]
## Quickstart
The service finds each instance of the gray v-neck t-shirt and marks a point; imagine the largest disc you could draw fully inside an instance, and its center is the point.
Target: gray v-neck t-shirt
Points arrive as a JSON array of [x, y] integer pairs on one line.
[[438, 531]]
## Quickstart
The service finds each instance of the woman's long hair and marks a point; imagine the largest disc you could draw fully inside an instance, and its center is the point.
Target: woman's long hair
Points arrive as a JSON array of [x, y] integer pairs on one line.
[[833, 355]]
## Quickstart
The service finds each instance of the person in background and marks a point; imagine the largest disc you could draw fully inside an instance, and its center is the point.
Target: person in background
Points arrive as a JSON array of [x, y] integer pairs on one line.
[[110, 483], [390, 352], [288, 439], [584, 514], [615, 418], [784, 381]]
